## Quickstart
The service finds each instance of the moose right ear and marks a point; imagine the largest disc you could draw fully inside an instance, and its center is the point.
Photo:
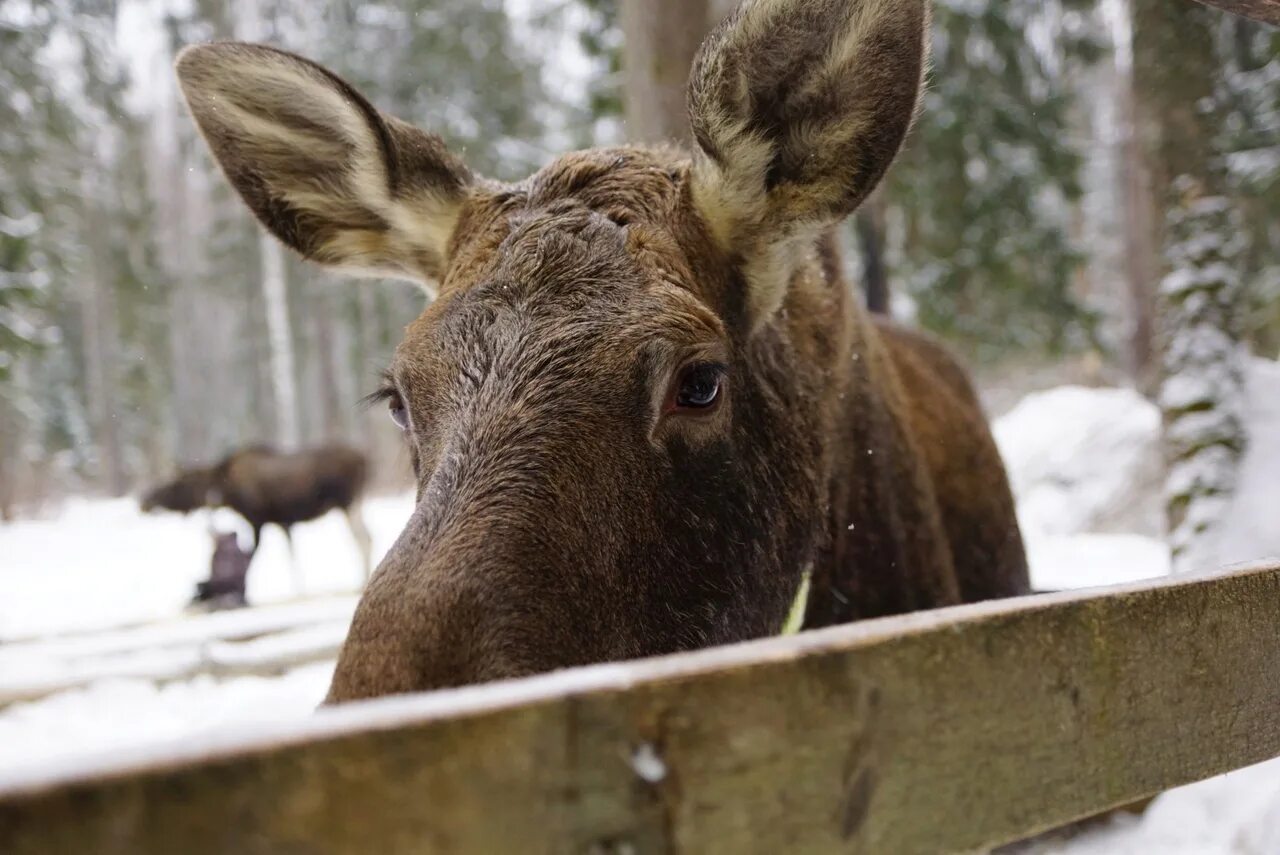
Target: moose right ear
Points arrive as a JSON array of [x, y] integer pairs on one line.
[[323, 170], [798, 107]]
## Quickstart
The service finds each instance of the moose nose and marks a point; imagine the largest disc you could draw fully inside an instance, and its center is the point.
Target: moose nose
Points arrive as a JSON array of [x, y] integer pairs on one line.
[[421, 627]]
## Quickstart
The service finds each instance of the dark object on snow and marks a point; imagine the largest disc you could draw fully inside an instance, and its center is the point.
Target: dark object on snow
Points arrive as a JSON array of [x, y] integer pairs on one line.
[[228, 570], [268, 486]]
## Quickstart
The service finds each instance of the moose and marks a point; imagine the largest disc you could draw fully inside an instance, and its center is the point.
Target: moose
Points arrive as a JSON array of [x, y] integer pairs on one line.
[[268, 486], [644, 405]]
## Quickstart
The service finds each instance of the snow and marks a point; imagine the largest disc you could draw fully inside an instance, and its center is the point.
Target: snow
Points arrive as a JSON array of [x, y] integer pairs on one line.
[[112, 716], [91, 609], [1186, 279], [1257, 165], [1233, 814], [94, 642], [1250, 526], [1203, 368], [1083, 459], [100, 564], [34, 670], [1091, 559]]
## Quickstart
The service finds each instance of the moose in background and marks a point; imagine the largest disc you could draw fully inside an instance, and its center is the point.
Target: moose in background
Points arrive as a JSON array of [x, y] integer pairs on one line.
[[268, 486]]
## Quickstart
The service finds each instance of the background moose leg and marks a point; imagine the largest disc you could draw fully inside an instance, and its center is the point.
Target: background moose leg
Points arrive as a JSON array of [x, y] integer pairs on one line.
[[294, 568]]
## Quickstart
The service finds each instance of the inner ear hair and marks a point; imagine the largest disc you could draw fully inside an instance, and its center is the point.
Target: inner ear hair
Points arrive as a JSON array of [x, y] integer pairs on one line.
[[798, 107], [321, 168]]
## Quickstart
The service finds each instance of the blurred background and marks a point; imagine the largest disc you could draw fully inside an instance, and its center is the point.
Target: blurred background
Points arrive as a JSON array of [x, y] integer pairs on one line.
[[1026, 222], [1088, 210]]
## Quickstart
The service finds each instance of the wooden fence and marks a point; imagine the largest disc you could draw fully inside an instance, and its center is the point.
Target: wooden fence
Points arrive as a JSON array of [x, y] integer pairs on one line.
[[954, 730]]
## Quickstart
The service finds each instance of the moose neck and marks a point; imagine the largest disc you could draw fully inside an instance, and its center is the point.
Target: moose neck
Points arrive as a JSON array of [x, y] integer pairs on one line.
[[880, 527]]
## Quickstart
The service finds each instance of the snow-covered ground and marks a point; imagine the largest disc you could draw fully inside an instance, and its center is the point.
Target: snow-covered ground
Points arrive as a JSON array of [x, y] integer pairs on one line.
[[1233, 814], [97, 657], [99, 564], [92, 599]]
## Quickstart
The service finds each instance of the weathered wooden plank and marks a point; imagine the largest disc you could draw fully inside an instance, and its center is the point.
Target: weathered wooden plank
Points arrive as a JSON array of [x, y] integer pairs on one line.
[[943, 731], [1267, 11]]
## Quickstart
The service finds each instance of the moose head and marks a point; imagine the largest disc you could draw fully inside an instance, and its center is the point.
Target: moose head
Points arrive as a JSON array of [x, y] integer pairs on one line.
[[186, 492], [629, 401]]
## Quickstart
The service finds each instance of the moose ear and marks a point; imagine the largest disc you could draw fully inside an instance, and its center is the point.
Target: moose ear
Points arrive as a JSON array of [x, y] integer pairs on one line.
[[322, 169], [798, 107]]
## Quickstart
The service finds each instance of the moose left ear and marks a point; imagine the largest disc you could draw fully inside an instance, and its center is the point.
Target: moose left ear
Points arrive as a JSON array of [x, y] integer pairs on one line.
[[325, 172], [798, 107]]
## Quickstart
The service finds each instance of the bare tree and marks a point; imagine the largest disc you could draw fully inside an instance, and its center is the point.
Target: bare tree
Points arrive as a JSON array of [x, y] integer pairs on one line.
[[869, 224], [1141, 258], [661, 39], [251, 25], [284, 385], [101, 338]]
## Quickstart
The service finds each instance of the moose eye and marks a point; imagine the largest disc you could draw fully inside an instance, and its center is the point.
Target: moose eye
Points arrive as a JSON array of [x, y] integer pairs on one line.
[[698, 387], [399, 415]]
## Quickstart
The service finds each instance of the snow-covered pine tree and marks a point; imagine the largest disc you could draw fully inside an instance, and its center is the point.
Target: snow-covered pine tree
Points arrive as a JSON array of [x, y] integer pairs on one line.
[[1249, 95], [1201, 396], [1176, 70]]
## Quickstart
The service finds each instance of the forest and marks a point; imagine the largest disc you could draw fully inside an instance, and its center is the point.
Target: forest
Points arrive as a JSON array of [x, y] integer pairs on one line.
[[1091, 194]]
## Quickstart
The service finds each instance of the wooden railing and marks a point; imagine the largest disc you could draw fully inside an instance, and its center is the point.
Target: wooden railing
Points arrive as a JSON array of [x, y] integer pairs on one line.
[[952, 730]]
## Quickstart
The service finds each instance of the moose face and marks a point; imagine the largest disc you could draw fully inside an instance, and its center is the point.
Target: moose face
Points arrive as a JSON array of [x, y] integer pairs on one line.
[[616, 426], [187, 492], [587, 487]]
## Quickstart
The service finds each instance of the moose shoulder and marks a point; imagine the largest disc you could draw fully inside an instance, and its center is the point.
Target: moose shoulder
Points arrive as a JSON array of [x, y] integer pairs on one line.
[[644, 399]]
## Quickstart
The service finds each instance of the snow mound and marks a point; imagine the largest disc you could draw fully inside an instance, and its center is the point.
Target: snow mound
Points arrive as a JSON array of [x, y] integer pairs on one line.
[[1084, 460], [1065, 562], [1249, 529], [1233, 814]]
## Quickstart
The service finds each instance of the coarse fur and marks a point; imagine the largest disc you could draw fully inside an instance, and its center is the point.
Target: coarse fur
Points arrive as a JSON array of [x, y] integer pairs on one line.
[[569, 510]]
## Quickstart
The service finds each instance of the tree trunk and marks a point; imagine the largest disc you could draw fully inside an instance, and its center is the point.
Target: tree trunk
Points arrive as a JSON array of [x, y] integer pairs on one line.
[[1198, 301], [100, 360], [182, 258], [329, 358], [275, 295], [251, 24], [661, 38], [1142, 267], [869, 224], [101, 347], [11, 442]]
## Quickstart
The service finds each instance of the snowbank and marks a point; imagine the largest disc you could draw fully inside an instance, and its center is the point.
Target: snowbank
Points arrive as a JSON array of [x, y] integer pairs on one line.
[[1085, 467], [1084, 460], [1233, 814], [1066, 562], [1250, 527]]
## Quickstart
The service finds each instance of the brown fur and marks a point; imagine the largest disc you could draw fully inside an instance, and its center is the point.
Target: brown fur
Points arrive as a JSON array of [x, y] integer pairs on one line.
[[267, 486], [564, 514]]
